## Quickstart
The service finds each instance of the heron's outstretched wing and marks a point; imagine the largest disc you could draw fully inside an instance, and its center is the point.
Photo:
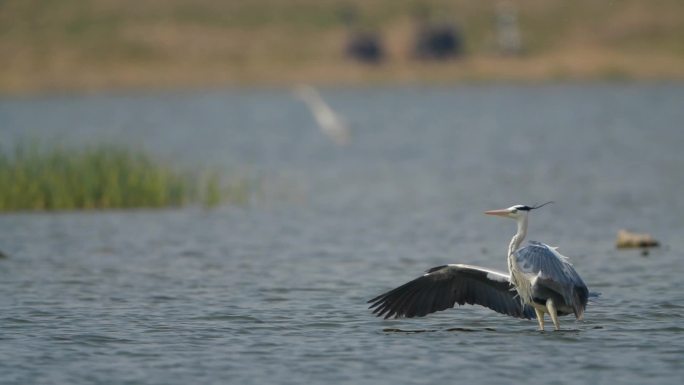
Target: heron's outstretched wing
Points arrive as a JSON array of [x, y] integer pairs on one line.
[[442, 287], [554, 272]]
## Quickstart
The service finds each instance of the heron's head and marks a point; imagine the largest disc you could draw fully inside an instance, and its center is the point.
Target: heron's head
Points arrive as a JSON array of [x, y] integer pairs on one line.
[[515, 211]]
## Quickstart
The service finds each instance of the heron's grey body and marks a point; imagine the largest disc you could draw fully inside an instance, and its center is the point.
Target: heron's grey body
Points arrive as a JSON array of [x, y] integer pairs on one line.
[[540, 281], [542, 274]]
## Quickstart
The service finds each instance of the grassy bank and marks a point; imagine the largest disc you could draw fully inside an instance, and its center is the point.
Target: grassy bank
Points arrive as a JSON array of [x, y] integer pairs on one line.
[[95, 44], [102, 177]]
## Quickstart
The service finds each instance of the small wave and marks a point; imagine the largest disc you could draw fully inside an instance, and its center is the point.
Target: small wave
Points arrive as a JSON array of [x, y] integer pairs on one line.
[[229, 317], [91, 339], [162, 298], [470, 330], [16, 320], [327, 325], [191, 254], [670, 305], [451, 330], [276, 299], [283, 290], [667, 329]]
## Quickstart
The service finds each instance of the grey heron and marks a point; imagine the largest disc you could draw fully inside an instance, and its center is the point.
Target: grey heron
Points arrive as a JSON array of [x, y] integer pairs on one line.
[[539, 281]]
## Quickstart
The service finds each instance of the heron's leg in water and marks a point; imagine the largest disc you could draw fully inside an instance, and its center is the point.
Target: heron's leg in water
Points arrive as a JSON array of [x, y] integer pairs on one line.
[[540, 318], [551, 307]]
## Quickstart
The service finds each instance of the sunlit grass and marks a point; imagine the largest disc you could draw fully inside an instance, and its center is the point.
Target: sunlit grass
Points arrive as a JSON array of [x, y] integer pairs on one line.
[[103, 177]]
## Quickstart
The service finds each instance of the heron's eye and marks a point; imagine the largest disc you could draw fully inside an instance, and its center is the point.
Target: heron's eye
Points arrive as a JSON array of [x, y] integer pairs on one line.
[[514, 211]]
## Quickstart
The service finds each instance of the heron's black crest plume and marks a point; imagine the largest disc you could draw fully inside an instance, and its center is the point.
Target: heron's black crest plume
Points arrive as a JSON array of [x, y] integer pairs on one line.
[[540, 206], [528, 208]]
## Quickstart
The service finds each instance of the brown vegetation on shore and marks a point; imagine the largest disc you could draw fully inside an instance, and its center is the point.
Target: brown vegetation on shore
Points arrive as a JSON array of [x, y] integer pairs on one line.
[[97, 44]]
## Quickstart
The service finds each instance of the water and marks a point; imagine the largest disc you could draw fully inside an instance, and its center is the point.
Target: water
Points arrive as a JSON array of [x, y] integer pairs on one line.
[[275, 292]]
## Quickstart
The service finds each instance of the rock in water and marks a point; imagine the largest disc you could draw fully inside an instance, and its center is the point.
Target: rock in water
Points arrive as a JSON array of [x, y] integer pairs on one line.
[[627, 239]]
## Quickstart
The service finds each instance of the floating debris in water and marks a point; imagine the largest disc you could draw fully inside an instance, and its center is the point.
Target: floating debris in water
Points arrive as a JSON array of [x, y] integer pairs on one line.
[[627, 239], [2, 255]]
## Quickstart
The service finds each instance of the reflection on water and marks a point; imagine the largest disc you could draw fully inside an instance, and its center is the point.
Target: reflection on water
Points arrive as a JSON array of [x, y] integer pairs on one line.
[[276, 292]]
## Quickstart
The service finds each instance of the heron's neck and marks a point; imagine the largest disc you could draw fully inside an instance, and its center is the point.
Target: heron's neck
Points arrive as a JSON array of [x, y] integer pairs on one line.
[[519, 237]]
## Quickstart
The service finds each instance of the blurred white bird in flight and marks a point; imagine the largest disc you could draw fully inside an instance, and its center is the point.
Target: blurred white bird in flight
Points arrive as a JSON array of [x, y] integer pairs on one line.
[[328, 121]]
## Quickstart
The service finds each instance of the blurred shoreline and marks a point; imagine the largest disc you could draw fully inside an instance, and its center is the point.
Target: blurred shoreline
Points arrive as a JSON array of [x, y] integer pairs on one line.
[[102, 45], [464, 71]]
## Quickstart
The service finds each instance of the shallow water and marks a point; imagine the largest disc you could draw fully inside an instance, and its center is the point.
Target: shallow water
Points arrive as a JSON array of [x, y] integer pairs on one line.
[[275, 292]]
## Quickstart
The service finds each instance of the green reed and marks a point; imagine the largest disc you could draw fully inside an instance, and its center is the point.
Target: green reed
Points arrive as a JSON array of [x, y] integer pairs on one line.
[[101, 177]]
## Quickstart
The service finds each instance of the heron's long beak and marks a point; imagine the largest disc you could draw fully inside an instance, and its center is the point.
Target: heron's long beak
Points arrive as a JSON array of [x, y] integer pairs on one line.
[[501, 213]]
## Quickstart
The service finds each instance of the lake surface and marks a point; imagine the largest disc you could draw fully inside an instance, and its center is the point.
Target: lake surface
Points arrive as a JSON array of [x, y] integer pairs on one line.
[[275, 292]]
